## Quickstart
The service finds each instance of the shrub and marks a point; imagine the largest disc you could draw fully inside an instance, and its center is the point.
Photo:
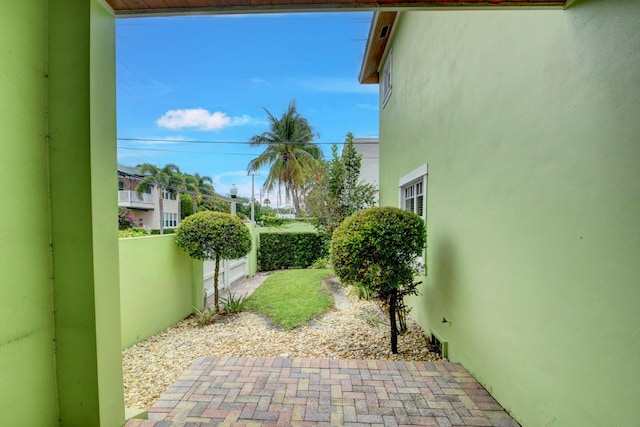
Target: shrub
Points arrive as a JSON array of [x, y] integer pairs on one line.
[[204, 317], [212, 235], [233, 304], [125, 221], [156, 231], [377, 248], [289, 250], [320, 263], [133, 232]]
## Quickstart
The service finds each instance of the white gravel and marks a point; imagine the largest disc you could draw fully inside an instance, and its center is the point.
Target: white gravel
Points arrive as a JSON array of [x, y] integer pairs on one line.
[[353, 332]]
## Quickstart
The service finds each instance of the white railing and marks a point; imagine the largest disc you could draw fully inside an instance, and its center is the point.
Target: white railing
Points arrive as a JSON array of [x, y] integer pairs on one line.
[[129, 196]]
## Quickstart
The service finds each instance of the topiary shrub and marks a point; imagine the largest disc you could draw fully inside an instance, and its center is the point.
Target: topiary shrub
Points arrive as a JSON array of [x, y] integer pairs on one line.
[[378, 248], [212, 235], [289, 250]]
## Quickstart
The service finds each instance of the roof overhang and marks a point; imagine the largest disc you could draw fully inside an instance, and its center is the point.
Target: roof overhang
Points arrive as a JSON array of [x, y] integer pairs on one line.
[[174, 7], [379, 33]]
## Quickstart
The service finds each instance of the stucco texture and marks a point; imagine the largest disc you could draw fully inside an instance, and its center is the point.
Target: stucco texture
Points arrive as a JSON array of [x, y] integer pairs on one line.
[[529, 122], [26, 294]]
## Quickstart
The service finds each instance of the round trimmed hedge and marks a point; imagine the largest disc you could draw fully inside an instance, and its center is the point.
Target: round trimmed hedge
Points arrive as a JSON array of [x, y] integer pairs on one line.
[[209, 235], [377, 247]]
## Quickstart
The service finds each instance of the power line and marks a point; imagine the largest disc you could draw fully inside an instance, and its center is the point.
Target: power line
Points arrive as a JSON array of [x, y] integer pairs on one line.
[[186, 151], [235, 142], [201, 152]]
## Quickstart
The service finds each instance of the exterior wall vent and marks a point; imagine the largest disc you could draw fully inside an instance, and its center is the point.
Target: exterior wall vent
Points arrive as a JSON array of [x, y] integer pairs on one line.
[[384, 31], [439, 345]]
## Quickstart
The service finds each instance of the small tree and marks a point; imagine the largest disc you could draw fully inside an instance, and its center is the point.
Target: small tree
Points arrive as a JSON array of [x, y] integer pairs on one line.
[[378, 248], [338, 192], [212, 235]]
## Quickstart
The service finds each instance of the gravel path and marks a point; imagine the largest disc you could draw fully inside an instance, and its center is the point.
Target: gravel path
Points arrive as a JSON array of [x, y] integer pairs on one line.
[[353, 331]]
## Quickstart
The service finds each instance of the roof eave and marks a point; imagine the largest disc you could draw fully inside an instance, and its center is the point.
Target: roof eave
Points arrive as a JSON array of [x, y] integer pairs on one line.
[[376, 45]]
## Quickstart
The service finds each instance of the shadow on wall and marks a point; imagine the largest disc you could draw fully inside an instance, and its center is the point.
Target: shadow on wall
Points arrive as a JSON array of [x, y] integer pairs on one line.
[[443, 269]]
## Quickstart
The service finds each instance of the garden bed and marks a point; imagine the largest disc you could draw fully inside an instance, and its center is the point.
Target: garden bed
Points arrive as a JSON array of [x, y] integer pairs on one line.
[[354, 332]]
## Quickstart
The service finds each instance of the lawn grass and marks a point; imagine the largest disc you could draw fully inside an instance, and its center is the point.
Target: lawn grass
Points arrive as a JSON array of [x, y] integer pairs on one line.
[[290, 298]]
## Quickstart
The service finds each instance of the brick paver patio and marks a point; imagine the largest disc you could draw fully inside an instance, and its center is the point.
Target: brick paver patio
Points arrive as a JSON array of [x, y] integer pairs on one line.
[[240, 391]]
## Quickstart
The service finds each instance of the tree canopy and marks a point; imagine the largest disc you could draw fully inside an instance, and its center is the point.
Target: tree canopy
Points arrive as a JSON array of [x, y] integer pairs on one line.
[[378, 248], [338, 192], [215, 236], [290, 153]]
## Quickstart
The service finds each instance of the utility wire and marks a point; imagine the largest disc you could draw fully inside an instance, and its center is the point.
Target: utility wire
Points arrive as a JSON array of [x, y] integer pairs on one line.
[[202, 152], [238, 142]]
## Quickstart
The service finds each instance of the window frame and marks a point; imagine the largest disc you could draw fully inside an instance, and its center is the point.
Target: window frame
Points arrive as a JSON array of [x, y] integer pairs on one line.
[[418, 175], [168, 194], [170, 219]]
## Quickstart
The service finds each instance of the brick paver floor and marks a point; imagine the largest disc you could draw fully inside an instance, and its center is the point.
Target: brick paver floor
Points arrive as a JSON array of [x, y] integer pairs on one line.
[[240, 391]]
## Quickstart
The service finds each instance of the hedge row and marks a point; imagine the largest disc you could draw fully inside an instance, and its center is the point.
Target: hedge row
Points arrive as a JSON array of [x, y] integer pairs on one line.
[[289, 250]]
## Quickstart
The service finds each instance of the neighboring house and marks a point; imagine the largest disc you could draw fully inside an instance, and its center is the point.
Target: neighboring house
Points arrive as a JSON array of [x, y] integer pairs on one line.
[[516, 135], [145, 209], [369, 166]]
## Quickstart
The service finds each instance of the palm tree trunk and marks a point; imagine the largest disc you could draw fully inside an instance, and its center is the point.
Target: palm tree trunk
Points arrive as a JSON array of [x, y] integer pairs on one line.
[[195, 205]]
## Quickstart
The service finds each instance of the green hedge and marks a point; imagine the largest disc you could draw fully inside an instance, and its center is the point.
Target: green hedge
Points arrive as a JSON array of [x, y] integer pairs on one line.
[[289, 250], [272, 221], [156, 231]]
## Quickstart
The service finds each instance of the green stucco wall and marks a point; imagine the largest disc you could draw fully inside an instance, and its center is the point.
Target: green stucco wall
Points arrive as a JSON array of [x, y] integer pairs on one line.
[[159, 286], [27, 364], [529, 121], [59, 352], [82, 161]]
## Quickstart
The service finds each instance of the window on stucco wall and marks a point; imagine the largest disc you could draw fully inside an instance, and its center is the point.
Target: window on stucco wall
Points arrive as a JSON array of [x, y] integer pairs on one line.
[[413, 198]]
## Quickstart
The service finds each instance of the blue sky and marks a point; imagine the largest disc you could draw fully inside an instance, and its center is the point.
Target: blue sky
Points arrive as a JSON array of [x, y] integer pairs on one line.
[[207, 78]]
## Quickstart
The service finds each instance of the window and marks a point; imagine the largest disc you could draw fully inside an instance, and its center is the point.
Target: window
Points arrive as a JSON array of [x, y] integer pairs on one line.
[[170, 219], [413, 198], [168, 194], [120, 185], [386, 80], [413, 191]]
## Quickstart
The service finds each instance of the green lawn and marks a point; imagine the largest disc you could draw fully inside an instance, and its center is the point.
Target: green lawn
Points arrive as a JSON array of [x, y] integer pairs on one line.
[[290, 298], [294, 227]]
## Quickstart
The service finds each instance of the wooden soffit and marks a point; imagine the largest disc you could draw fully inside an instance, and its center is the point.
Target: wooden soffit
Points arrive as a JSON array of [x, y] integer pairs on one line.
[[174, 7]]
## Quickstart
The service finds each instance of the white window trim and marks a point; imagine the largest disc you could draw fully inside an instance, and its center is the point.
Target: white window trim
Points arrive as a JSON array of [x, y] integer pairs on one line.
[[414, 175], [411, 177], [168, 195], [170, 219]]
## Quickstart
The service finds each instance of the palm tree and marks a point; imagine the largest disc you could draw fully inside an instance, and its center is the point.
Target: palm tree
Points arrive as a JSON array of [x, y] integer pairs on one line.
[[198, 185], [290, 152], [167, 176]]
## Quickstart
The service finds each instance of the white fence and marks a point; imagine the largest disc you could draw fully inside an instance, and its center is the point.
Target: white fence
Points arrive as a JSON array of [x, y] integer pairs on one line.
[[230, 272]]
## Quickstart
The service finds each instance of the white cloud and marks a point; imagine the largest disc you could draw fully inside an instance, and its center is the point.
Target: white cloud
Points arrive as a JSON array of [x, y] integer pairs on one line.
[[194, 118], [202, 119], [242, 120], [257, 80]]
